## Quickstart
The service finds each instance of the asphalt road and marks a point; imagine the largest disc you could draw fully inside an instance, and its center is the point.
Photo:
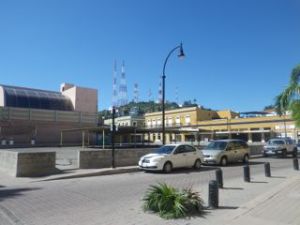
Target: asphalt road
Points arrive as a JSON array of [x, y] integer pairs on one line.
[[117, 199]]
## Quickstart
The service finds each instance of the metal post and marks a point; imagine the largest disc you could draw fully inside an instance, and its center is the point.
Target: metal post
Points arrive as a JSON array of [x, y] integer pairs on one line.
[[83, 137], [267, 169], [213, 194], [113, 138], [246, 173], [296, 164], [61, 138], [135, 137], [181, 54], [103, 139], [219, 177]]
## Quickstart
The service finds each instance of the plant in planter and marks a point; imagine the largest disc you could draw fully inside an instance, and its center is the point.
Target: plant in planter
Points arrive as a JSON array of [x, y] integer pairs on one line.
[[172, 203]]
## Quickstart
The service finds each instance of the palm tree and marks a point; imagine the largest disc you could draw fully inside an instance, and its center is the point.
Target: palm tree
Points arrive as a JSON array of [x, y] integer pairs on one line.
[[289, 99]]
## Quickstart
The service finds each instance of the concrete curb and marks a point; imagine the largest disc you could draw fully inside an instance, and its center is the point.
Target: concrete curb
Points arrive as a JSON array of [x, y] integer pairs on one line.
[[108, 171], [249, 206]]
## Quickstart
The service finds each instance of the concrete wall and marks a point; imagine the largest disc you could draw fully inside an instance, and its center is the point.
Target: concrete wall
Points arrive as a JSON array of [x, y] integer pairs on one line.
[[27, 164], [45, 133], [89, 159], [83, 99]]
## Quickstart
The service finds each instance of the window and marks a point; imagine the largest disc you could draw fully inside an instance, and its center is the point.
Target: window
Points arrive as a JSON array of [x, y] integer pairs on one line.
[[189, 148], [177, 120], [187, 120], [179, 150]]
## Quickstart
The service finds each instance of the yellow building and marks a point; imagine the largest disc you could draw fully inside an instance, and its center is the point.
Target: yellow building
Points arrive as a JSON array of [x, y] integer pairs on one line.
[[195, 125]]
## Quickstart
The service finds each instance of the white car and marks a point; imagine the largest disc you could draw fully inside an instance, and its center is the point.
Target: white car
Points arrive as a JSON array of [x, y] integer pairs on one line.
[[280, 147], [172, 156]]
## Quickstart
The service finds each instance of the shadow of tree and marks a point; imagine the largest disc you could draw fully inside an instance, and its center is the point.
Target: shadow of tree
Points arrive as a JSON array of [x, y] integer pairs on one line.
[[12, 193]]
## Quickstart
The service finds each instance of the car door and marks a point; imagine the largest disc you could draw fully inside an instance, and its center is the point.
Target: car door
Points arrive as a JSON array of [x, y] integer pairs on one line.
[[191, 155], [178, 157], [230, 152], [239, 151]]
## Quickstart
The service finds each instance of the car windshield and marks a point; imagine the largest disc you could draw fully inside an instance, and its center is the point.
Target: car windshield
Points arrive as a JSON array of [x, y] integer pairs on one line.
[[166, 149], [216, 145], [276, 142]]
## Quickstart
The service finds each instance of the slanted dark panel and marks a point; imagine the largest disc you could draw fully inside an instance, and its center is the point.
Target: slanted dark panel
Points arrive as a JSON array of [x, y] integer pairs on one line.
[[36, 99]]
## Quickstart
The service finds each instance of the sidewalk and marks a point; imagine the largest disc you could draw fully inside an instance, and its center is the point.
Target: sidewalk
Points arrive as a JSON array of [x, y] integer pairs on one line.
[[78, 173], [278, 206]]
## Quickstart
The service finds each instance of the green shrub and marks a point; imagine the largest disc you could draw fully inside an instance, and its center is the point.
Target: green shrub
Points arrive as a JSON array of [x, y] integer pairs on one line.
[[171, 203]]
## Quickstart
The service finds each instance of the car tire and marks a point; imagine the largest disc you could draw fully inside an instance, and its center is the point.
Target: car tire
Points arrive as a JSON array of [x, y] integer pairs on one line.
[[246, 159], [168, 167], [224, 161], [295, 153], [284, 153], [265, 155], [197, 164]]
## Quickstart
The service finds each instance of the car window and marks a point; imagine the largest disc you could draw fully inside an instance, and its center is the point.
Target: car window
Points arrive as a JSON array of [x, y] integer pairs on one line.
[[189, 148], [179, 150], [244, 144], [230, 146], [216, 145]]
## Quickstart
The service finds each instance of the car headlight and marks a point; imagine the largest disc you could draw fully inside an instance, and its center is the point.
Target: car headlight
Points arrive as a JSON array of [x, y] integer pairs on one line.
[[156, 159]]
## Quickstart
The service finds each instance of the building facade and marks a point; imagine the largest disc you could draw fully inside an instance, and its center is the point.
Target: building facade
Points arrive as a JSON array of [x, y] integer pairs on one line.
[[199, 125], [31, 116]]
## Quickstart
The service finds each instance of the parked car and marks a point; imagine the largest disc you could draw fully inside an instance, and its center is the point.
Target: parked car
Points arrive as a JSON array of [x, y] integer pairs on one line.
[[280, 147], [171, 156], [298, 147], [226, 151]]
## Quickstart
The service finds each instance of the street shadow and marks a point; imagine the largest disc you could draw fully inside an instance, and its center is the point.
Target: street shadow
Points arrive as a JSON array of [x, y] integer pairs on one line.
[[221, 207], [233, 188], [228, 207], [258, 182], [12, 193], [250, 163], [184, 170], [279, 177]]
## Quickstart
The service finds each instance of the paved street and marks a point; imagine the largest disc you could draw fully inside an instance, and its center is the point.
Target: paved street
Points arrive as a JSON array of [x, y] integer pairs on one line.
[[116, 199]]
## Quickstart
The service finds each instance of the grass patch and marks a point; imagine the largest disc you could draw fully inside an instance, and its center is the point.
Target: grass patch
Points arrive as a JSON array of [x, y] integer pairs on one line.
[[171, 203]]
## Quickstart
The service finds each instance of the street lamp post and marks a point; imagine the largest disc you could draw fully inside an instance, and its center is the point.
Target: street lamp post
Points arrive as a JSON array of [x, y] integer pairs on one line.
[[113, 137], [180, 55]]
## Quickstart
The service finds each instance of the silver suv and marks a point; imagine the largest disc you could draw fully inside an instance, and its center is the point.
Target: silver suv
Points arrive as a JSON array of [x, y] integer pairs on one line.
[[225, 151], [280, 147]]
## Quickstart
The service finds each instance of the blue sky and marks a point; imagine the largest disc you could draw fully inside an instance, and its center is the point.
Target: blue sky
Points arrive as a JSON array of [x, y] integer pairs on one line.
[[239, 54]]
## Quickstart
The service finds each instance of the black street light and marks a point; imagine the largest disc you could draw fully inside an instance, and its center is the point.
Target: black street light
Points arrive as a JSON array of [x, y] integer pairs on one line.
[[180, 55], [113, 131]]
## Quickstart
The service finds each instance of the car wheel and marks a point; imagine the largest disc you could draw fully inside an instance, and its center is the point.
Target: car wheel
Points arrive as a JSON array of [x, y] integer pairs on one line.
[[265, 155], [197, 164], [284, 153], [223, 161], [295, 153], [167, 167], [246, 158]]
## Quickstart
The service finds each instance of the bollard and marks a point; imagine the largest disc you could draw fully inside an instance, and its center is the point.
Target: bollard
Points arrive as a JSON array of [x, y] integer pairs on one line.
[[296, 164], [213, 194], [267, 169], [219, 177], [246, 173]]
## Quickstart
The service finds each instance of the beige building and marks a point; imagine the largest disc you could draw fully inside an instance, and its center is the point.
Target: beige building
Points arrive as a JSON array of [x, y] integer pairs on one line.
[[198, 125], [32, 116]]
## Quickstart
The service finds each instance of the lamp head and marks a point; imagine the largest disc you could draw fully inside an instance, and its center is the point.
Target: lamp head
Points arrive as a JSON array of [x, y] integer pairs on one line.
[[181, 54]]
